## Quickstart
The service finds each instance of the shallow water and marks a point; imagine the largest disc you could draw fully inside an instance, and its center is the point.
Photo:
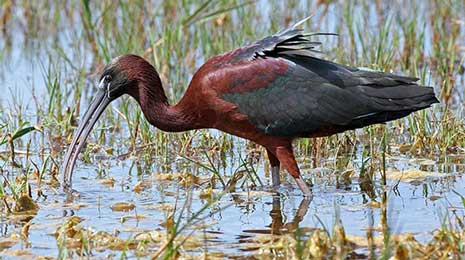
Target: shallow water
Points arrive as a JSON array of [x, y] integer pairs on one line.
[[418, 206]]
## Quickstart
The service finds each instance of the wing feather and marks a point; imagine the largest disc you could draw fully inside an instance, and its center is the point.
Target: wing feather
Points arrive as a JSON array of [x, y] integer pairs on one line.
[[285, 90], [301, 101]]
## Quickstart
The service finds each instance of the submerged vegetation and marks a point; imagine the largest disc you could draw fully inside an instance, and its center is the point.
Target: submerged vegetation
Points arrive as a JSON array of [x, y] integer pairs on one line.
[[385, 191]]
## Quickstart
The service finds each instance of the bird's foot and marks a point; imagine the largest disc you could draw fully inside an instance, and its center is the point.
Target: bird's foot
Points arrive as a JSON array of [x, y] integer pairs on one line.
[[303, 186], [273, 189]]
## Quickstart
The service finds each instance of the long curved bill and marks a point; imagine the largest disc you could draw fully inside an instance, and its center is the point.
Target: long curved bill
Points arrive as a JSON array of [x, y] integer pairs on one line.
[[91, 116]]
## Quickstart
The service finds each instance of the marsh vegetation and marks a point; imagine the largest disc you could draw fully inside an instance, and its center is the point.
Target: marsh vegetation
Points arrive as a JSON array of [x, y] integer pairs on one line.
[[385, 191]]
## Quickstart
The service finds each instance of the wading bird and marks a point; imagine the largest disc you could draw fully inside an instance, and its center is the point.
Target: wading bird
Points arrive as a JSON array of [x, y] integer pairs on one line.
[[270, 92]]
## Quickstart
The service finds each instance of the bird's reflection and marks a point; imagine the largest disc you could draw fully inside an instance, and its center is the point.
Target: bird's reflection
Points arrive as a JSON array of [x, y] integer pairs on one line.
[[278, 225]]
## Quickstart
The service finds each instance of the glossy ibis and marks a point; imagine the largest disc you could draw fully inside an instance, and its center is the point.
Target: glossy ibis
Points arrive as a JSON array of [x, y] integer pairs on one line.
[[271, 92]]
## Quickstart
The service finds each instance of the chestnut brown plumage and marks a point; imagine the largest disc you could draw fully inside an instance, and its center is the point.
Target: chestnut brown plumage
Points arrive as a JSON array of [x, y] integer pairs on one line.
[[270, 92]]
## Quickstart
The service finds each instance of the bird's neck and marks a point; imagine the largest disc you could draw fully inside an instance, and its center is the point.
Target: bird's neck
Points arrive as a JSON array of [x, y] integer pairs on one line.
[[161, 114]]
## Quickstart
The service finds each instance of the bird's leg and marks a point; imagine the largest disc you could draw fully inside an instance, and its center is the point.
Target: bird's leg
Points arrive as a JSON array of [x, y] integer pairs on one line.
[[303, 186], [274, 163], [286, 156], [275, 176]]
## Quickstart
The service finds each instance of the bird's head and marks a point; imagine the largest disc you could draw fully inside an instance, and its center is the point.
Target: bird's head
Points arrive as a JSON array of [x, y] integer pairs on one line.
[[127, 74]]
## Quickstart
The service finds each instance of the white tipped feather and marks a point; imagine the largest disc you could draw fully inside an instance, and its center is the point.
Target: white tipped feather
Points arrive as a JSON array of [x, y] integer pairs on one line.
[[302, 21], [290, 41]]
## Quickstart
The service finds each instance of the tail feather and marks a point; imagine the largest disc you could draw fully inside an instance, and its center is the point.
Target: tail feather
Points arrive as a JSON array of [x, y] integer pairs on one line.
[[402, 97], [394, 102]]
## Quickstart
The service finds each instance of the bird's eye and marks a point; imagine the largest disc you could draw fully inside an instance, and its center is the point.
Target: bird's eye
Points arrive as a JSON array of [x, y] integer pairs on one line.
[[107, 78]]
